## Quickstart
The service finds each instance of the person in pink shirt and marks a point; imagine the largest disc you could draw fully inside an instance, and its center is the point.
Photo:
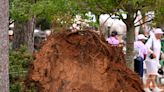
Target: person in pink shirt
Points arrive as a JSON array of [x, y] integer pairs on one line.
[[140, 54], [113, 40]]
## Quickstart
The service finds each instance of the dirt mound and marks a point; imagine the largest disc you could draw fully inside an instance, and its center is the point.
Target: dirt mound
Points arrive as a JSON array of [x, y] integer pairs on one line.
[[81, 62]]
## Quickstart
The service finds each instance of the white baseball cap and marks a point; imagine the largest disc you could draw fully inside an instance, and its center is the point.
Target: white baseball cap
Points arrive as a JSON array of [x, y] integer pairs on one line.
[[141, 36], [158, 31]]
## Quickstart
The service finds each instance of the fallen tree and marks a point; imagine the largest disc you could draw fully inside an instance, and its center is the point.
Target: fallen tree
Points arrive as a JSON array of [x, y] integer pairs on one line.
[[81, 62]]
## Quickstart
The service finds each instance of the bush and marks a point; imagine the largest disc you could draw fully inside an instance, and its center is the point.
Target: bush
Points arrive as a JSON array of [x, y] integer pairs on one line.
[[18, 66]]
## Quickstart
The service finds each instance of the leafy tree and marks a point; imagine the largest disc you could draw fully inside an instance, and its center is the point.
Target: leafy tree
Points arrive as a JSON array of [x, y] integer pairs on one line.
[[26, 12], [20, 12], [130, 7], [4, 78]]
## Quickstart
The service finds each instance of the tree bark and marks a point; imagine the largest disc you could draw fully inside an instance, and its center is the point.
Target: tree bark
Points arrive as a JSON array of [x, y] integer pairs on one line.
[[23, 34], [4, 74], [130, 42], [130, 48]]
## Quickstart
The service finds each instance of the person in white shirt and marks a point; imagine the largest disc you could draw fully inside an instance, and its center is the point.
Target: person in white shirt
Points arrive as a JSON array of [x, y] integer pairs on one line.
[[152, 61], [138, 21]]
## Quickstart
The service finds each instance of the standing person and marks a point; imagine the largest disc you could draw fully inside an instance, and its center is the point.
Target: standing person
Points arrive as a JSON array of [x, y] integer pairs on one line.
[[11, 35], [138, 21], [113, 40], [140, 56], [152, 60], [148, 25]]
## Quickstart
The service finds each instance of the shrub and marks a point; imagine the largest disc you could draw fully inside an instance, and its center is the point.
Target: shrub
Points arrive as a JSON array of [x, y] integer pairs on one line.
[[18, 66]]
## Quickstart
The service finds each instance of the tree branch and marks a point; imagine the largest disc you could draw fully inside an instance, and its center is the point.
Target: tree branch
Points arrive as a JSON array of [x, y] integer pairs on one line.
[[101, 7], [143, 23], [136, 16], [102, 25], [142, 18]]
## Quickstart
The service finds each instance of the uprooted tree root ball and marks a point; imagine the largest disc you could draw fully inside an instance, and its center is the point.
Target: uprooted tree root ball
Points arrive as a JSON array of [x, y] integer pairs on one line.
[[81, 62]]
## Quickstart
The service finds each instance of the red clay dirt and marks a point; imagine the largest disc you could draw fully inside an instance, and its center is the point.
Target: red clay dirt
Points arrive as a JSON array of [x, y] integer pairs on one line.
[[81, 62]]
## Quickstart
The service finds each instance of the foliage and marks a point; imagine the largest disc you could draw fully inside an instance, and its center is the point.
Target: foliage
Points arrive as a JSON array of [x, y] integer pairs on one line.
[[159, 14], [129, 6], [43, 23], [21, 10], [53, 9], [18, 65]]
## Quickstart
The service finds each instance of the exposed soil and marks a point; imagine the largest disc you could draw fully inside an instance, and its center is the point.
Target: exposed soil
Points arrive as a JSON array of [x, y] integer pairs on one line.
[[81, 62]]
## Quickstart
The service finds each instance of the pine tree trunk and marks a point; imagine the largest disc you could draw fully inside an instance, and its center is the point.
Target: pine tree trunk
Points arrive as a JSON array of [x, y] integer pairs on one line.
[[23, 34], [4, 74]]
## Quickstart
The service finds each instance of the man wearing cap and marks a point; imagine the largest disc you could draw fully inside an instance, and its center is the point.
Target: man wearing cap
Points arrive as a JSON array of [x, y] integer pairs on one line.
[[152, 60], [140, 54]]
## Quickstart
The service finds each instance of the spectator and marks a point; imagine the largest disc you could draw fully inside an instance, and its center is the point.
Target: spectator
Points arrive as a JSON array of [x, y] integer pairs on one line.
[[140, 54], [138, 21], [152, 61], [113, 40], [11, 37]]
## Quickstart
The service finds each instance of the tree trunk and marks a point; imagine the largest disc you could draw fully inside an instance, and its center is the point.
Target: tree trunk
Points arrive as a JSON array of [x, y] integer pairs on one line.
[[23, 34], [4, 74], [130, 48], [130, 42]]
